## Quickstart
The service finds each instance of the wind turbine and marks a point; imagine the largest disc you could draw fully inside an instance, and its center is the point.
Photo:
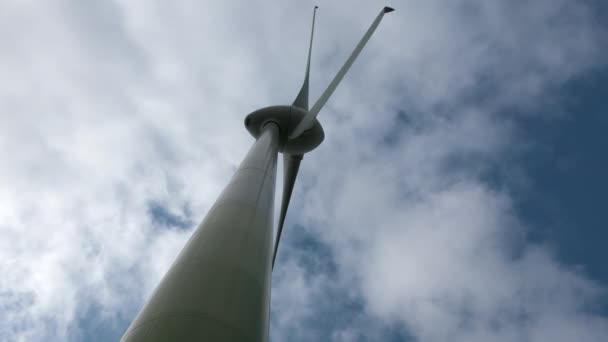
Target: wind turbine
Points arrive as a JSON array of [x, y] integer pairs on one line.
[[218, 288]]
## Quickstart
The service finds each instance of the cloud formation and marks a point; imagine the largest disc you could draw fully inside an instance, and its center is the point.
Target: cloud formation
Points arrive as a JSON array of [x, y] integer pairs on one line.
[[117, 112]]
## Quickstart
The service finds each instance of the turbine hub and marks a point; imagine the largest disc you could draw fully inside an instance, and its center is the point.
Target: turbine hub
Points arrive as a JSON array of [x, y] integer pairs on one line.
[[287, 118]]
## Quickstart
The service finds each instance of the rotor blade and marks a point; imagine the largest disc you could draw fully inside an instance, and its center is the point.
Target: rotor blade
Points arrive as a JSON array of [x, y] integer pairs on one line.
[[308, 120], [291, 165], [302, 98]]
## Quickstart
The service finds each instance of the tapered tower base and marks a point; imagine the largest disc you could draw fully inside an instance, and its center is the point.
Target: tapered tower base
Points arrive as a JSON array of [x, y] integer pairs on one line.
[[218, 289]]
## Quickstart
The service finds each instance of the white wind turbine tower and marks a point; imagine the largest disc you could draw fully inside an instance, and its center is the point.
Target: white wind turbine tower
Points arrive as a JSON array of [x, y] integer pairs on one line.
[[218, 288]]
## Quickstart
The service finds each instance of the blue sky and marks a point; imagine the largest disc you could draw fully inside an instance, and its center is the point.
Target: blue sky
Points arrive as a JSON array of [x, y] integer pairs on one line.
[[567, 168], [458, 194]]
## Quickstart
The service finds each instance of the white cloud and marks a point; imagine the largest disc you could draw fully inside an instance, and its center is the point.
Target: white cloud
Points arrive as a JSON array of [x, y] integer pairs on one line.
[[108, 107]]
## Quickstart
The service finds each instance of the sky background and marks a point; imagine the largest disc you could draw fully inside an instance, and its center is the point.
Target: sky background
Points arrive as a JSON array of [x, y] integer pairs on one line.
[[459, 194]]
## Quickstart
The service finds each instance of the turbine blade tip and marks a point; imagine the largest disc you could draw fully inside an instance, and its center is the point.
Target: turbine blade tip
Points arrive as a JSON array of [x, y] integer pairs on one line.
[[388, 9]]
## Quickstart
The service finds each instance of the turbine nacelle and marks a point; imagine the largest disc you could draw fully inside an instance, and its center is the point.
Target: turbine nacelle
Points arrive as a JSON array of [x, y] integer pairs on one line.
[[287, 118]]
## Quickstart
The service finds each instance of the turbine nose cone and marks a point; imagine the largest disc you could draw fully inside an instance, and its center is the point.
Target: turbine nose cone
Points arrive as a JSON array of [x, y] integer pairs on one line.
[[248, 120]]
